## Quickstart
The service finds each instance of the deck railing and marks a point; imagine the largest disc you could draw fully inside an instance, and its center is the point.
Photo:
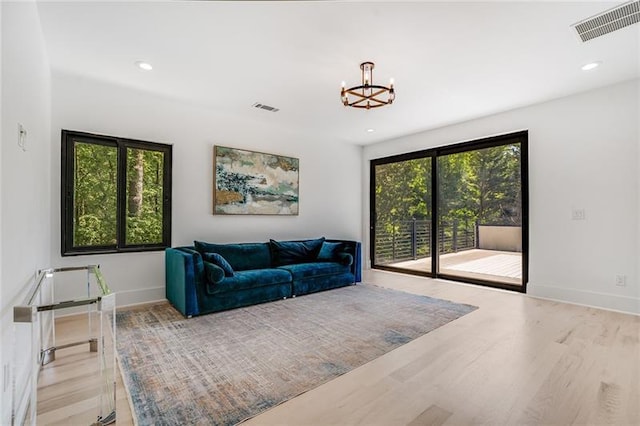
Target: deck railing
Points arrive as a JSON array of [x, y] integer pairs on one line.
[[411, 239]]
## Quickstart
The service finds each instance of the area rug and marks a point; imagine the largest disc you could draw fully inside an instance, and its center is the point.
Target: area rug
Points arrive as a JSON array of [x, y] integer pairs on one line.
[[226, 367]]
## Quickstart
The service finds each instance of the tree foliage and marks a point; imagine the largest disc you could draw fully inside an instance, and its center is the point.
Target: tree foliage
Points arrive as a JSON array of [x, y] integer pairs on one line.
[[96, 195], [475, 186], [144, 195], [403, 190]]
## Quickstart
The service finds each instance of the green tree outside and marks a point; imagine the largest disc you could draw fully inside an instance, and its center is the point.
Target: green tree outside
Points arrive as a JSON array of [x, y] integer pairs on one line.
[[481, 186], [95, 195]]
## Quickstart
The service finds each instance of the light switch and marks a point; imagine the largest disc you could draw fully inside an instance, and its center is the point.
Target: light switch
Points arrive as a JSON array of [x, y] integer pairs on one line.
[[578, 214]]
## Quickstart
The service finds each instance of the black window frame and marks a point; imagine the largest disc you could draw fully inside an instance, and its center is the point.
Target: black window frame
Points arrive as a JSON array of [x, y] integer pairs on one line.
[[68, 140], [521, 137]]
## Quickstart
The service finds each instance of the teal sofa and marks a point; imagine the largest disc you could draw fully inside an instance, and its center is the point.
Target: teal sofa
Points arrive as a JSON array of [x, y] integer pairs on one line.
[[208, 277]]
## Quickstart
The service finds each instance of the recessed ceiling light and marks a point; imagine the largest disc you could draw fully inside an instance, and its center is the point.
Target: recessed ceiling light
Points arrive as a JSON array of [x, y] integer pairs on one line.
[[144, 65], [371, 130], [591, 65]]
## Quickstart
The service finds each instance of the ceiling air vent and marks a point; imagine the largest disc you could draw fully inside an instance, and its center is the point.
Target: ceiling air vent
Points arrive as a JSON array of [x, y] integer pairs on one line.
[[267, 107], [606, 22]]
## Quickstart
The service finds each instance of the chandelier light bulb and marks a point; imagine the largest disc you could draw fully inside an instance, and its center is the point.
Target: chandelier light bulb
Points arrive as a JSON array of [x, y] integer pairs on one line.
[[367, 72]]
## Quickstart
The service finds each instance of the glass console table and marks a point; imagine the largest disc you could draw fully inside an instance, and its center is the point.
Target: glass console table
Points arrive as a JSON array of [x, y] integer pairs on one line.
[[35, 345]]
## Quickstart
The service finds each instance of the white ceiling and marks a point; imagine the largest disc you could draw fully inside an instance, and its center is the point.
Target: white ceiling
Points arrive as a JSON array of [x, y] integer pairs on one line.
[[451, 61]]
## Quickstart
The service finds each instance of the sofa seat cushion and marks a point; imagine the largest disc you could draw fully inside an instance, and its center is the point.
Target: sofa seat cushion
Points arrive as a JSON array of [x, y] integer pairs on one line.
[[303, 271], [244, 280]]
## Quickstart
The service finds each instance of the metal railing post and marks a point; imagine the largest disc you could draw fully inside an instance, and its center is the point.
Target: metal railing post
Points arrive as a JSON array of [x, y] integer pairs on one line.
[[466, 233], [393, 244], [454, 242], [414, 250], [429, 225]]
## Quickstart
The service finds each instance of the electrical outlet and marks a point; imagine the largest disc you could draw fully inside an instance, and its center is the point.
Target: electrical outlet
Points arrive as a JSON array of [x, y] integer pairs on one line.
[[621, 280], [578, 214]]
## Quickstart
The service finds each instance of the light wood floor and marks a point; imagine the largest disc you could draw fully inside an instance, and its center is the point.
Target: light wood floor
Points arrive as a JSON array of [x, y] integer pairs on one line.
[[514, 361], [68, 387]]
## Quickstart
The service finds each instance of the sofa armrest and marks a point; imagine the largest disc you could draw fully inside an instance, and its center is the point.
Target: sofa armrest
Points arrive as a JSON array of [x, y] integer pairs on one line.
[[357, 261], [183, 279], [354, 249]]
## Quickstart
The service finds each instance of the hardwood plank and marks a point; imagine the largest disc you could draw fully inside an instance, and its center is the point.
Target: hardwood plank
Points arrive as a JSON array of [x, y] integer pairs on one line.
[[502, 364], [432, 416], [515, 360]]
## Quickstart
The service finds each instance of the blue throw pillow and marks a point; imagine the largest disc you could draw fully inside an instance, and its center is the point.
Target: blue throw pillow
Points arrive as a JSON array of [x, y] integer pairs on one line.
[[292, 252], [329, 251], [345, 259], [220, 261], [214, 273]]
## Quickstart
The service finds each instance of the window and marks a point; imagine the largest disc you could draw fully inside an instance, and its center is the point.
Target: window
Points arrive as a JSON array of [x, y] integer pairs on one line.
[[116, 194]]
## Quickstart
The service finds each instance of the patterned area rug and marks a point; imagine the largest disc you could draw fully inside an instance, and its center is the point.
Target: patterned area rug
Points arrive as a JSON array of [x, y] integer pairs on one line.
[[226, 367]]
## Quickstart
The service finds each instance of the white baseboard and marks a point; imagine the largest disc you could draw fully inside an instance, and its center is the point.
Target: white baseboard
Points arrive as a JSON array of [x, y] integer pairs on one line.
[[612, 302], [138, 296], [125, 298]]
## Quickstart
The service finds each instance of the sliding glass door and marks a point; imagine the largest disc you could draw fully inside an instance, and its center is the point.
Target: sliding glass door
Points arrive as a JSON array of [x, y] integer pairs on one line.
[[480, 214], [403, 208], [468, 200]]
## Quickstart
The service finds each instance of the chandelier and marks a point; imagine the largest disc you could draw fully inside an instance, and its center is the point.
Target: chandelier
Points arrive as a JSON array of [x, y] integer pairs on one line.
[[367, 95]]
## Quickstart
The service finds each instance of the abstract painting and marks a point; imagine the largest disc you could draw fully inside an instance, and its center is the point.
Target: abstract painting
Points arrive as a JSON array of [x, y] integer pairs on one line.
[[249, 182]]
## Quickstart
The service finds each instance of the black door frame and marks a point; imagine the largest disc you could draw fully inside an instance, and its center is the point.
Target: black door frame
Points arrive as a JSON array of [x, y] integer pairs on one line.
[[522, 138]]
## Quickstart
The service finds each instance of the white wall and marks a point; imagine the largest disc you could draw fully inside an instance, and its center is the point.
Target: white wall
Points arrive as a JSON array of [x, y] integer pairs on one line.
[[330, 179], [4, 396], [25, 175], [583, 153]]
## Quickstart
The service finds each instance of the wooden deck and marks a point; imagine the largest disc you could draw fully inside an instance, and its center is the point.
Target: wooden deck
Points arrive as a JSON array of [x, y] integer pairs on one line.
[[491, 265]]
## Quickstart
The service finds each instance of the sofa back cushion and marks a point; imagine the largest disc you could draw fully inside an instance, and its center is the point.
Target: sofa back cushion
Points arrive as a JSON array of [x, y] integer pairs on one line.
[[292, 252], [241, 257]]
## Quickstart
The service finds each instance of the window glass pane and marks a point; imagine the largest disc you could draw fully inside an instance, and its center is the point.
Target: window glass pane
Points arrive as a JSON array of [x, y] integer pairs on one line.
[[144, 186], [480, 214], [403, 214], [95, 195]]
